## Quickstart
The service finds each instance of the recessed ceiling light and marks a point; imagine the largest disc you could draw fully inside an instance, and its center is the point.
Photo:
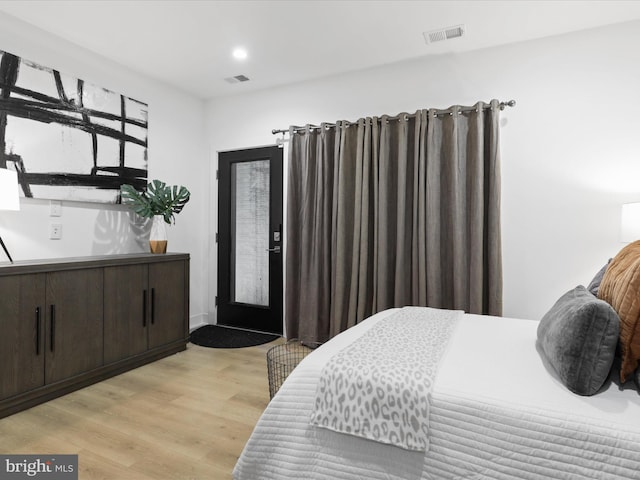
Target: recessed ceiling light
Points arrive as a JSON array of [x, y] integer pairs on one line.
[[240, 53]]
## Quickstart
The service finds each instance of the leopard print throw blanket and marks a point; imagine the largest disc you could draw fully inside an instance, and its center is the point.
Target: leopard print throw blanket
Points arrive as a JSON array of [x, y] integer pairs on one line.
[[379, 387]]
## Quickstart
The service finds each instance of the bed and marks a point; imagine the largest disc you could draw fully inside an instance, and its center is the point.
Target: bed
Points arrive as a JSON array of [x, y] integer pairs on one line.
[[497, 411]]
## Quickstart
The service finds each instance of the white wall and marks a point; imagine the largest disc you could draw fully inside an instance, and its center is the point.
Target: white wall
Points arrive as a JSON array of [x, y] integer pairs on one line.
[[570, 147], [177, 155], [569, 150]]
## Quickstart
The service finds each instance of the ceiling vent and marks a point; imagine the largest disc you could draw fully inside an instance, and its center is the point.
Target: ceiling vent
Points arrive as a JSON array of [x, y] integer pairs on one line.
[[237, 79], [443, 34]]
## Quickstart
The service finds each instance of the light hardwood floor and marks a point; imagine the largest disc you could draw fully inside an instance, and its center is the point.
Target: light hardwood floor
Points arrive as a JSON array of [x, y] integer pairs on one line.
[[185, 417]]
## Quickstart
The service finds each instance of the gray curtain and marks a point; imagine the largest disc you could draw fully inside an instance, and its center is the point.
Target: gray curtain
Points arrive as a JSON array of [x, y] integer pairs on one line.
[[393, 211]]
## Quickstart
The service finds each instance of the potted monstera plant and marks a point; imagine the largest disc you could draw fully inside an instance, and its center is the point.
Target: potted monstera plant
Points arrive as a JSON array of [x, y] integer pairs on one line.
[[161, 203]]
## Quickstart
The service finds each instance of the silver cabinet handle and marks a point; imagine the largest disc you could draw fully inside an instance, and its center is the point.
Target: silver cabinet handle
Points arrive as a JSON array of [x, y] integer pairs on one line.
[[275, 249]]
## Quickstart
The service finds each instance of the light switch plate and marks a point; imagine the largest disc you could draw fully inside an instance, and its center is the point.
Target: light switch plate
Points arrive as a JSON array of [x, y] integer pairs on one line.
[[56, 208]]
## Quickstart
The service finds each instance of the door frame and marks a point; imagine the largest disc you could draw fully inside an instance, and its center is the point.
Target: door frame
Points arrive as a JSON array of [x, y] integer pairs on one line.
[[235, 311]]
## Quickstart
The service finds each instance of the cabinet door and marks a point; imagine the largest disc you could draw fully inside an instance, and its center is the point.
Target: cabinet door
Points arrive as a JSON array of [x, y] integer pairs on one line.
[[126, 298], [22, 334], [168, 302], [74, 326]]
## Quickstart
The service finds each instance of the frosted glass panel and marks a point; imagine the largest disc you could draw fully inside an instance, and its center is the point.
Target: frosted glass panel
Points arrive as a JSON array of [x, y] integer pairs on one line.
[[250, 224]]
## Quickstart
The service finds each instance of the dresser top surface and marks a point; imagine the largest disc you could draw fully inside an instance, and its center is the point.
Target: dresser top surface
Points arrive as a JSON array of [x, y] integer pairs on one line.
[[69, 263]]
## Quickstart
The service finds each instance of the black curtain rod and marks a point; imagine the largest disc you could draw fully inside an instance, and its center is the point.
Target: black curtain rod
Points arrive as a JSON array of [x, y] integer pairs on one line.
[[448, 111]]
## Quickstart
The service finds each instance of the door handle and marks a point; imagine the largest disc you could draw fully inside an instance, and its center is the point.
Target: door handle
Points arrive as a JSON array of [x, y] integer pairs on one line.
[[38, 330], [144, 308], [53, 326], [153, 306], [275, 249]]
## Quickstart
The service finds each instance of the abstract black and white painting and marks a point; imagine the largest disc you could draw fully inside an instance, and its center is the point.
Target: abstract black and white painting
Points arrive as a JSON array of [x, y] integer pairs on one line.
[[66, 138]]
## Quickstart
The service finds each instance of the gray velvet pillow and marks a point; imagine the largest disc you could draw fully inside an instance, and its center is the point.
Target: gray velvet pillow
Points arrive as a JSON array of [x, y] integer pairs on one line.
[[594, 286], [578, 338]]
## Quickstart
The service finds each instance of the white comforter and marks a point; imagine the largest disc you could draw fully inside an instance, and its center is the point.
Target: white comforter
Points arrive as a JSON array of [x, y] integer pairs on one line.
[[496, 413]]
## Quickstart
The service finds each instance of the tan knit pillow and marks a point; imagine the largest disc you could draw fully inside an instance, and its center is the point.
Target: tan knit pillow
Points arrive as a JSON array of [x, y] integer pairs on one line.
[[620, 288]]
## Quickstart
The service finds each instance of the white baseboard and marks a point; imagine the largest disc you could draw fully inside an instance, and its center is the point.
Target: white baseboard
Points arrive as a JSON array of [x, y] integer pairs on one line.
[[197, 321]]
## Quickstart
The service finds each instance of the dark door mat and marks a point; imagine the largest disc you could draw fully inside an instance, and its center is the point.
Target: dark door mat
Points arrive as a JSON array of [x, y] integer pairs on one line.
[[216, 336]]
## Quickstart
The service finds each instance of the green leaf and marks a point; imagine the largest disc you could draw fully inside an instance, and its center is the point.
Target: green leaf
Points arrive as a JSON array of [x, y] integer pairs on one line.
[[158, 199]]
